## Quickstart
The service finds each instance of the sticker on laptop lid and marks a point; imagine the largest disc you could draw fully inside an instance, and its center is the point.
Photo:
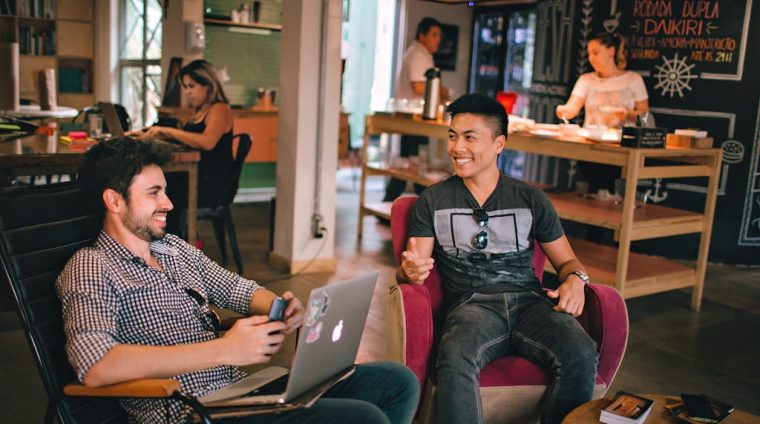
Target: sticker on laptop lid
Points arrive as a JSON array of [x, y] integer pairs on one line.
[[325, 302], [317, 308], [314, 333], [314, 313]]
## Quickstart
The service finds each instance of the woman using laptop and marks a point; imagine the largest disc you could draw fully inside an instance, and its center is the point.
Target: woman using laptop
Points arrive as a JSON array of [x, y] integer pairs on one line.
[[208, 130]]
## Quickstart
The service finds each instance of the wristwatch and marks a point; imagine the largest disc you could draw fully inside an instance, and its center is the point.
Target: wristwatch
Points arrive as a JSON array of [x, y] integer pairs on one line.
[[582, 275]]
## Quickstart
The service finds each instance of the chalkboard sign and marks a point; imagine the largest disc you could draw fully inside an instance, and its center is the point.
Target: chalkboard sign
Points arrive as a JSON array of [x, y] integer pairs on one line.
[[680, 40], [695, 57], [446, 56]]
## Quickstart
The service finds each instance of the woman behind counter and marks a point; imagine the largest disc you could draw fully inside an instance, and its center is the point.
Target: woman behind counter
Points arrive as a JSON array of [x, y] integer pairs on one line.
[[208, 130], [611, 95]]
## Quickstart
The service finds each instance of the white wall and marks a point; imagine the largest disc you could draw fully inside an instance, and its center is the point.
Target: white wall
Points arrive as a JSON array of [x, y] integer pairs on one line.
[[460, 15], [308, 119], [106, 51]]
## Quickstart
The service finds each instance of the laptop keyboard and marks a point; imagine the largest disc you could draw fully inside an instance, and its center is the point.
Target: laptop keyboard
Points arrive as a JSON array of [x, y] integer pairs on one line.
[[274, 387]]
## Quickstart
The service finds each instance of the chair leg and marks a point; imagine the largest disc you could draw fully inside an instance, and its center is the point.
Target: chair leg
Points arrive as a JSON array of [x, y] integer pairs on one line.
[[227, 216], [50, 413], [218, 222]]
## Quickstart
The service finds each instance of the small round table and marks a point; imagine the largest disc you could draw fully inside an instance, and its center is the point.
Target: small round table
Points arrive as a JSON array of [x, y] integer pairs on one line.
[[589, 413]]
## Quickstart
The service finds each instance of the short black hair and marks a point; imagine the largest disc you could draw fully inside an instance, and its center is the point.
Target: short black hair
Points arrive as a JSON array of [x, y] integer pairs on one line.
[[425, 24], [485, 106], [114, 163]]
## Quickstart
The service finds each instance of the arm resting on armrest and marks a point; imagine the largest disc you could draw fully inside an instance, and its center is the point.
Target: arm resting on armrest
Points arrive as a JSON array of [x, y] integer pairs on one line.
[[144, 387]]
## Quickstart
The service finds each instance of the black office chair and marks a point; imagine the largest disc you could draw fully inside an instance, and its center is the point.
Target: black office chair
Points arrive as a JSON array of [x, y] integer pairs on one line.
[[40, 229], [221, 215]]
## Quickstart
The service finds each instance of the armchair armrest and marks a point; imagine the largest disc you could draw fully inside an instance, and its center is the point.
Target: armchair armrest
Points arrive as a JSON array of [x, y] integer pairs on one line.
[[605, 318], [418, 314], [145, 387]]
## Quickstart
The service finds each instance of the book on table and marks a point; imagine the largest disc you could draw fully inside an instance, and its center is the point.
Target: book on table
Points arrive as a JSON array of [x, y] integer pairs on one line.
[[626, 408]]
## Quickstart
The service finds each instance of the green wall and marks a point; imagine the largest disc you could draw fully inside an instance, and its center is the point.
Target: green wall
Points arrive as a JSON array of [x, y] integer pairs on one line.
[[251, 55], [252, 59]]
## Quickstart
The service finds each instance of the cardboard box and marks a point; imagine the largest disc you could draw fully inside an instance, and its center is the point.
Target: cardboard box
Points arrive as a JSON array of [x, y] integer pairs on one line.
[[643, 137], [675, 140]]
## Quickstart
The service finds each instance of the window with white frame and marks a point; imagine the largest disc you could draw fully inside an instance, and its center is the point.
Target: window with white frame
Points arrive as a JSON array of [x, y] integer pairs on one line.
[[140, 33]]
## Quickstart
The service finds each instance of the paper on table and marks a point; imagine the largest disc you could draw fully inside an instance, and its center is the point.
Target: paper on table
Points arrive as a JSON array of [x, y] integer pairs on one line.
[[692, 133]]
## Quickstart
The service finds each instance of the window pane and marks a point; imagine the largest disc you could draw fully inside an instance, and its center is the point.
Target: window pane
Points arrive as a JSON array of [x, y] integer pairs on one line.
[[132, 30], [153, 24], [140, 34], [153, 92], [132, 94]]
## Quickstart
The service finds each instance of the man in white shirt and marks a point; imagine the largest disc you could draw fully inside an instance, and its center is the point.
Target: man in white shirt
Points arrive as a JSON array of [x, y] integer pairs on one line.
[[410, 85]]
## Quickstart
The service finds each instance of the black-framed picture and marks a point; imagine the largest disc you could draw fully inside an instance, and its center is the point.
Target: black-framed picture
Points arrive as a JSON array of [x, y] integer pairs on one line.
[[446, 56], [171, 95]]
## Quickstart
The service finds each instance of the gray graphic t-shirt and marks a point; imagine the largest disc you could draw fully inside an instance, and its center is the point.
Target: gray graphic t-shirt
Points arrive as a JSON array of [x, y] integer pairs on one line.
[[517, 214]]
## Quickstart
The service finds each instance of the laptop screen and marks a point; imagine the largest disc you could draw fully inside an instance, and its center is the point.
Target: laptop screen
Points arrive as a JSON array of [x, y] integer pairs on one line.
[[111, 119]]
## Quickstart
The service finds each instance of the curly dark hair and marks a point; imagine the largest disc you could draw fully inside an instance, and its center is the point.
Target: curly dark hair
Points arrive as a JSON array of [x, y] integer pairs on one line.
[[114, 163]]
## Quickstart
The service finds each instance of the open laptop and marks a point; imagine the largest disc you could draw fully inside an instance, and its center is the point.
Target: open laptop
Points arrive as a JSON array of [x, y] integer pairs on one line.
[[111, 118], [327, 344]]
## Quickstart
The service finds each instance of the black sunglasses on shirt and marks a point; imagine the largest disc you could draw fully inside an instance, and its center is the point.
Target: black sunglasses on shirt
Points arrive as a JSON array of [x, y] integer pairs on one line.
[[211, 321], [480, 239]]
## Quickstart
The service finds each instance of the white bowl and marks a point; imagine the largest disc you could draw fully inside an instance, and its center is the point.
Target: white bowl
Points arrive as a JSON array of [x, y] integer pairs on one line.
[[569, 129], [595, 131]]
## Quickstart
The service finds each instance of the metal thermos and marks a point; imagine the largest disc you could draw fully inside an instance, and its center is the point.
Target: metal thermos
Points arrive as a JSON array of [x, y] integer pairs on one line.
[[432, 93]]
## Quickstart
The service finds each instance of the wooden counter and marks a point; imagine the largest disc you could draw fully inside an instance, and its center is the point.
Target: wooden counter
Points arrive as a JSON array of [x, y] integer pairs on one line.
[[261, 125]]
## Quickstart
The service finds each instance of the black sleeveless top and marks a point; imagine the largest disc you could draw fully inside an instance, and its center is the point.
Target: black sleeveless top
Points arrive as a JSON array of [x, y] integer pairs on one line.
[[214, 169]]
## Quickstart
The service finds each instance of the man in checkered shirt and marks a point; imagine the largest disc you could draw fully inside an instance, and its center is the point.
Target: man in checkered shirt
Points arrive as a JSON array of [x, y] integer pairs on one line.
[[136, 305]]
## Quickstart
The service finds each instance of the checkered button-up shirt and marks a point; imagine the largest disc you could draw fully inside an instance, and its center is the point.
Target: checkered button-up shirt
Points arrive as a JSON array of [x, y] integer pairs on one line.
[[110, 297]]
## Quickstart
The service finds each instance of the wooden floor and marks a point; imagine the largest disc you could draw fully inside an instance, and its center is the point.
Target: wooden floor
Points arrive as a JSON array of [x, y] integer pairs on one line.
[[670, 348]]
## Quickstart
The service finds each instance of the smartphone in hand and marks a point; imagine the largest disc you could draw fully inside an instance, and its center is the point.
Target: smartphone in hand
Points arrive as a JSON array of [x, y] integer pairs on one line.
[[277, 310]]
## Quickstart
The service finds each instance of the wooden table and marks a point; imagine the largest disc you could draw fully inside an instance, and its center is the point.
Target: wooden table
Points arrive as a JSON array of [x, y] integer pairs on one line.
[[47, 155], [630, 273], [589, 413]]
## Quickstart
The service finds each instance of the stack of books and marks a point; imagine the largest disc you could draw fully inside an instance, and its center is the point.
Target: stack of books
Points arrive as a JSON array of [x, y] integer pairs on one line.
[[626, 408]]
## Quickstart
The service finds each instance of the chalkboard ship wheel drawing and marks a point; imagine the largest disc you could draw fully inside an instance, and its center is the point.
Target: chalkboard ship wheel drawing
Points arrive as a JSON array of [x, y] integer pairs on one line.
[[674, 75]]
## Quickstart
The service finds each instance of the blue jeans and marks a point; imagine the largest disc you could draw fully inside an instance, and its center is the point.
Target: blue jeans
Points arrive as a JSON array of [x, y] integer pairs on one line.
[[380, 392], [487, 326]]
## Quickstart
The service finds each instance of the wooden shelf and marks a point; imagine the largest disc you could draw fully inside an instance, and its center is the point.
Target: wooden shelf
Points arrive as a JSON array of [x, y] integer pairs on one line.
[[74, 45], [410, 173], [649, 221], [646, 274], [35, 19], [381, 209], [258, 25]]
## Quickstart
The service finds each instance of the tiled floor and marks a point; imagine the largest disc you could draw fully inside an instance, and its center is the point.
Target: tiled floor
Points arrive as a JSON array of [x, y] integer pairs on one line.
[[670, 349]]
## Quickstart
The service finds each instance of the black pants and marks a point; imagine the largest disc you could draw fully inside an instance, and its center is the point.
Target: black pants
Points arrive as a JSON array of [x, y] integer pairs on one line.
[[410, 146]]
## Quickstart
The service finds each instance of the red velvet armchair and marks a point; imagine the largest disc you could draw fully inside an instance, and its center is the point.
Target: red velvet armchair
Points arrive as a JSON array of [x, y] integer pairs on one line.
[[512, 387]]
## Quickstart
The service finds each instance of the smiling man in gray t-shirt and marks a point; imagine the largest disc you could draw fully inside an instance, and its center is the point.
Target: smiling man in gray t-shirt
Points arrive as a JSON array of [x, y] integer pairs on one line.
[[480, 227]]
